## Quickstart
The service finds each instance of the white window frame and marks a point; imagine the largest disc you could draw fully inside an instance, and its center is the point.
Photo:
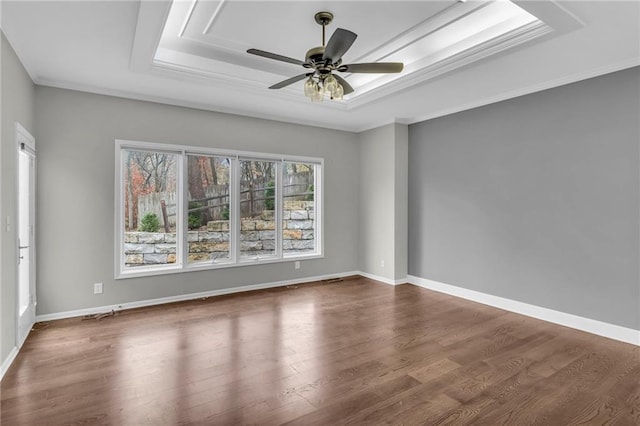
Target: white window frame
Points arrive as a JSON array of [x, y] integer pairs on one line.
[[235, 260], [318, 230], [233, 166]]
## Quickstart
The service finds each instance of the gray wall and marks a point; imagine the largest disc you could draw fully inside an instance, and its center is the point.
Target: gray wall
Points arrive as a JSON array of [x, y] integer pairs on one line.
[[535, 199], [400, 196], [76, 133], [383, 201], [17, 105]]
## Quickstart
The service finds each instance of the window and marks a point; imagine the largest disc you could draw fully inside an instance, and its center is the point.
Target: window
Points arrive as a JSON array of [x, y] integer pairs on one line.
[[257, 209], [182, 208], [149, 212], [208, 209], [299, 210]]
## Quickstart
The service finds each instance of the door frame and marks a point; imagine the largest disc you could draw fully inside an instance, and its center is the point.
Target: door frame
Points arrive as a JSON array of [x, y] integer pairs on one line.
[[25, 141]]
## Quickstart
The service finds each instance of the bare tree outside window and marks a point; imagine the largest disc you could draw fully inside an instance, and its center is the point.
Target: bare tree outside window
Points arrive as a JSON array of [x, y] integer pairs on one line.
[[149, 207]]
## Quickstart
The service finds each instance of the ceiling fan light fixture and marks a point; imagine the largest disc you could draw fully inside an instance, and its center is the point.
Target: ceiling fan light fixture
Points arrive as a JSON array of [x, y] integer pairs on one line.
[[330, 84], [310, 87], [315, 88], [318, 96], [338, 93]]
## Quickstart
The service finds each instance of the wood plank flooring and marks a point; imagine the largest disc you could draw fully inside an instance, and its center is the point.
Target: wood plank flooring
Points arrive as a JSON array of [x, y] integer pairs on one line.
[[350, 352]]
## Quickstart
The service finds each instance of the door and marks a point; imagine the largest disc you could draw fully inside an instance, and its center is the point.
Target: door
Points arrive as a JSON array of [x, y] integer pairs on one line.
[[26, 233]]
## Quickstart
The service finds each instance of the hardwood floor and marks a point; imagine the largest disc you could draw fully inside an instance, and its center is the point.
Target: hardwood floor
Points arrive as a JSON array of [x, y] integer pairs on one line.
[[351, 352]]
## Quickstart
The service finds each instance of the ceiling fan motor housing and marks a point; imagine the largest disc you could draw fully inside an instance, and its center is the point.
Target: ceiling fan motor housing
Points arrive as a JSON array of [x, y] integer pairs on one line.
[[315, 59], [315, 54]]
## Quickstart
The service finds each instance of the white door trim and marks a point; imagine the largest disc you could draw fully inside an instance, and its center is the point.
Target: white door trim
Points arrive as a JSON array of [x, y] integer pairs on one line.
[[23, 136], [24, 142]]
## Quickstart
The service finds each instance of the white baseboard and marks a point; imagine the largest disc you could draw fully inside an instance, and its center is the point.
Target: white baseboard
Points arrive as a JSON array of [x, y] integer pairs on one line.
[[8, 361], [382, 279], [600, 328], [190, 296]]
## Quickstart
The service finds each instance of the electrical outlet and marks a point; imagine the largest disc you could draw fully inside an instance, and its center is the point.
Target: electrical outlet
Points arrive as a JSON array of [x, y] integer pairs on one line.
[[297, 264], [382, 263], [97, 288]]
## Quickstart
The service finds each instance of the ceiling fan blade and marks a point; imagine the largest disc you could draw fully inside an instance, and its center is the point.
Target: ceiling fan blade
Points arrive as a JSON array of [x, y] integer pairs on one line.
[[291, 80], [339, 43], [275, 56], [345, 86], [374, 67]]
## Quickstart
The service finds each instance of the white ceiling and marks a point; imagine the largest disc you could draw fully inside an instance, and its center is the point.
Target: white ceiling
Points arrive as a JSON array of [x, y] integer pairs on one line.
[[201, 60]]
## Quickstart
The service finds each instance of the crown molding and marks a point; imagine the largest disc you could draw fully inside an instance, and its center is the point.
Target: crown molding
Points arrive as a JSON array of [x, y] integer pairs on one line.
[[538, 87], [464, 58]]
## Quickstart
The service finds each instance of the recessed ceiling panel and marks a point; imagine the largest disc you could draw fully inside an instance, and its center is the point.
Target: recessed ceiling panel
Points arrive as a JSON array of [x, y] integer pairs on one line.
[[203, 38], [288, 28]]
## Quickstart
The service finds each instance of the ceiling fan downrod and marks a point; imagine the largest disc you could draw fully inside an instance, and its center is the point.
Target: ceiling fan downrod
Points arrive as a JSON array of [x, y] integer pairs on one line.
[[324, 19]]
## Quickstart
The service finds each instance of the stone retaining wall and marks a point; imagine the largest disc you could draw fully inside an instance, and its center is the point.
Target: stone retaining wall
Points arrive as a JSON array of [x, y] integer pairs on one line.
[[257, 237]]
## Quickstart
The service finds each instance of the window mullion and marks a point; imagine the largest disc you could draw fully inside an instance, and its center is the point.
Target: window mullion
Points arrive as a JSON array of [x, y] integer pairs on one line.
[[235, 201], [278, 214], [318, 209], [182, 231]]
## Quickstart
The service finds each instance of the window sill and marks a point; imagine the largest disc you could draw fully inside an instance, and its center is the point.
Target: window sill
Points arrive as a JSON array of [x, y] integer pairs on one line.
[[149, 272]]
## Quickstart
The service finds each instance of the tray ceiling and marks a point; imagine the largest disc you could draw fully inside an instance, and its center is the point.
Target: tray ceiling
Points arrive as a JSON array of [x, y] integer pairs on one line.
[[457, 54], [202, 38]]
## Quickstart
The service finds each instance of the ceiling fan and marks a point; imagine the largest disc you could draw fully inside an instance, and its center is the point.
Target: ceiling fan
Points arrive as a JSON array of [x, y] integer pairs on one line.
[[323, 61]]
